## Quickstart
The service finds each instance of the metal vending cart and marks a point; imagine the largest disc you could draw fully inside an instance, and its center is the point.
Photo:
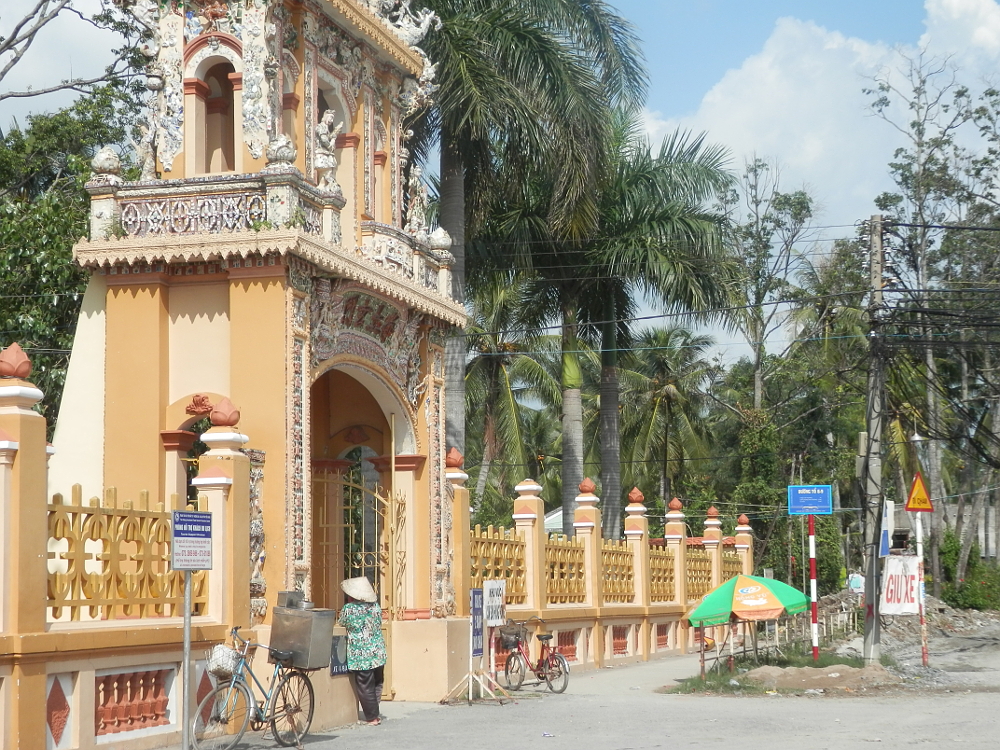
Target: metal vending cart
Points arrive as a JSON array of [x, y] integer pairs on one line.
[[304, 630]]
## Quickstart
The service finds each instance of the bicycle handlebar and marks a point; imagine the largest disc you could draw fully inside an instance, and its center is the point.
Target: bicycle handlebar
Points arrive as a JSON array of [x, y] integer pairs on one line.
[[525, 622]]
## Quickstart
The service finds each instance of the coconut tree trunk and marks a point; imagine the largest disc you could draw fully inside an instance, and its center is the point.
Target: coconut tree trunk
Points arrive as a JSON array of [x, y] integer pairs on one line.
[[971, 532], [667, 483], [611, 467], [572, 419], [452, 219], [484, 471]]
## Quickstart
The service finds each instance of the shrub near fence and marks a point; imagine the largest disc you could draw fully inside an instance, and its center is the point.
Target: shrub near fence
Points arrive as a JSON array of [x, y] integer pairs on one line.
[[605, 600]]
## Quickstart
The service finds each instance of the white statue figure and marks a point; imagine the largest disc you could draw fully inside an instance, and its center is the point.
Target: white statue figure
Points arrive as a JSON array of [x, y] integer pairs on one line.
[[145, 152], [416, 211], [326, 156]]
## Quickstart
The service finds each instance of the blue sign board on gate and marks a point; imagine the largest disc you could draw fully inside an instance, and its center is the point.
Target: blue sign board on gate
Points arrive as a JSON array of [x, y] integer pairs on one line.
[[191, 540], [476, 601], [810, 500]]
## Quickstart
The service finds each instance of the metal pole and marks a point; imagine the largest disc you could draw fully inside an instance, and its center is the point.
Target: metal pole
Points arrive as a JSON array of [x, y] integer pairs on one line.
[[873, 460], [920, 584], [186, 667], [812, 586]]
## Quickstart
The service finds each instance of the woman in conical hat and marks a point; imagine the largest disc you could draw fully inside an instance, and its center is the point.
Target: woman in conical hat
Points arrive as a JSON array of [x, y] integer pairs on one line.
[[362, 618]]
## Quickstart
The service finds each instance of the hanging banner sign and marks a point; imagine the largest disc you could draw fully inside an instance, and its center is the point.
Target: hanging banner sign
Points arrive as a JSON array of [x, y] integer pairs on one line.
[[810, 500], [919, 500], [476, 609], [900, 586], [495, 594]]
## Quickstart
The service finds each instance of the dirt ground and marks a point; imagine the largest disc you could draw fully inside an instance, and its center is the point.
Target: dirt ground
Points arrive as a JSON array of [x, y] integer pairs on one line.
[[963, 650]]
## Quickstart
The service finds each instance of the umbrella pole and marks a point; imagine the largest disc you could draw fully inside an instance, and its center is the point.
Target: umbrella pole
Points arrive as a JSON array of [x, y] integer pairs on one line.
[[732, 645], [701, 643]]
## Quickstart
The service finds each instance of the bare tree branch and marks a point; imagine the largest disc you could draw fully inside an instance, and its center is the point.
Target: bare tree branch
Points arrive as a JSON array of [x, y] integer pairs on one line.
[[14, 47]]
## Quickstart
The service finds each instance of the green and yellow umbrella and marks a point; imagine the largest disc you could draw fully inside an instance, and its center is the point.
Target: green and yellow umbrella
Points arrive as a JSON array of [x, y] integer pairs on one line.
[[747, 598]]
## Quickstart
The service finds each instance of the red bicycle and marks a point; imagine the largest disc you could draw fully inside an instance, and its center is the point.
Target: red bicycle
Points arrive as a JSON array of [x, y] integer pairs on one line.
[[551, 667]]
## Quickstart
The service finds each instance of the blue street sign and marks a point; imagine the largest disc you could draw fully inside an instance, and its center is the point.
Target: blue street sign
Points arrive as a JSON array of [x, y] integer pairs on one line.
[[810, 500], [191, 540], [476, 601]]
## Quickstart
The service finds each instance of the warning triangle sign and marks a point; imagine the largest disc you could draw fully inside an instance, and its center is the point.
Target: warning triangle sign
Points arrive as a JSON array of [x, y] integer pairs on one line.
[[919, 500]]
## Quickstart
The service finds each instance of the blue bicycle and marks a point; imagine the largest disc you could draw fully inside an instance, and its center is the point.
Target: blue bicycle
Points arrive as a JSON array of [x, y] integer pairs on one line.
[[224, 714]]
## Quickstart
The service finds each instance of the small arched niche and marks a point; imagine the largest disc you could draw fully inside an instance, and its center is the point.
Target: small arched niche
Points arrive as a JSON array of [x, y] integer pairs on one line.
[[220, 119]]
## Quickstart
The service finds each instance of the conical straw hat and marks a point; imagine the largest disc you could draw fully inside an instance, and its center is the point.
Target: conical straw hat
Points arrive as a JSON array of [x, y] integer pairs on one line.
[[359, 588]]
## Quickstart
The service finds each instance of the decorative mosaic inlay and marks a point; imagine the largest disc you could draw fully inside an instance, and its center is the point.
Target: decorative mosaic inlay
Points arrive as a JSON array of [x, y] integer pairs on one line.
[[227, 212], [296, 495], [346, 319]]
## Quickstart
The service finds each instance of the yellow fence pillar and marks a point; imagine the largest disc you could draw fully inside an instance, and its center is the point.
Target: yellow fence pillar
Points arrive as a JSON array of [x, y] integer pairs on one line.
[[529, 522], [25, 540], [587, 524], [675, 538], [713, 543], [224, 478], [744, 543], [460, 562], [637, 534]]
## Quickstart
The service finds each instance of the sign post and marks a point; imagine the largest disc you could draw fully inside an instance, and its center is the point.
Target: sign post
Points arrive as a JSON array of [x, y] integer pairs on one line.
[[495, 615], [190, 549], [919, 502], [811, 500], [478, 618], [475, 633]]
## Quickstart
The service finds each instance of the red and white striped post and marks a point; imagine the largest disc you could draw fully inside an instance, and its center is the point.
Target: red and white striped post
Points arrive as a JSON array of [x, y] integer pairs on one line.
[[812, 586]]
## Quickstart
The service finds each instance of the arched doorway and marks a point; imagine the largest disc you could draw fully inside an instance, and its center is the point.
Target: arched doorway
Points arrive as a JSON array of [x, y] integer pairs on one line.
[[354, 514]]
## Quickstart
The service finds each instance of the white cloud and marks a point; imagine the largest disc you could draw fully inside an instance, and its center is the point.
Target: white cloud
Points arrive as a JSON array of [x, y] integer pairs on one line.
[[799, 101]]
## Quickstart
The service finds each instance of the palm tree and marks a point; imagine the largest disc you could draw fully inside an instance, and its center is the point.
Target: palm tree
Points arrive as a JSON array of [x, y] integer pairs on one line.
[[651, 236], [528, 82], [655, 239], [663, 422], [496, 339]]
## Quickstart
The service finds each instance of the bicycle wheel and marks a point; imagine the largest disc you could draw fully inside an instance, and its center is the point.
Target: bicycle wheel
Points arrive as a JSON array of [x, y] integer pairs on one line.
[[221, 718], [292, 712], [514, 671], [557, 672]]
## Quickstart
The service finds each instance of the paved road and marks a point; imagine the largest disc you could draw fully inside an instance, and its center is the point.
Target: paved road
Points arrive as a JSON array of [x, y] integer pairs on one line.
[[617, 709]]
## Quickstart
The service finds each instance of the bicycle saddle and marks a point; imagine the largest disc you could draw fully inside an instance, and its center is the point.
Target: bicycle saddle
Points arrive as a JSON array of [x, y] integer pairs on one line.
[[544, 637], [281, 656]]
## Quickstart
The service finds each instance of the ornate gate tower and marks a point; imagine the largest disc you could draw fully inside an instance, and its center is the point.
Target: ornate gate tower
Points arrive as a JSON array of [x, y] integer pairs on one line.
[[274, 253]]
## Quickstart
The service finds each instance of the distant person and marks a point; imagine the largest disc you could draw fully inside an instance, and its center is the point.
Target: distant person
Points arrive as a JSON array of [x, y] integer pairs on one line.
[[362, 617]]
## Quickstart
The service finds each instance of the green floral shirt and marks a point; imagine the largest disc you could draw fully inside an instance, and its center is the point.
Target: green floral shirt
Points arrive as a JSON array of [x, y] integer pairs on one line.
[[365, 645]]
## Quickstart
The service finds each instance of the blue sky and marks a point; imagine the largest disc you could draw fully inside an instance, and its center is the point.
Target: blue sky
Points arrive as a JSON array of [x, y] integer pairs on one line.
[[775, 79], [690, 44]]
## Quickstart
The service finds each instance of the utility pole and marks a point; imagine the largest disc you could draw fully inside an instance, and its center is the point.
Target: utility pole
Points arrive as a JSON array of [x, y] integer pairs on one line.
[[872, 479]]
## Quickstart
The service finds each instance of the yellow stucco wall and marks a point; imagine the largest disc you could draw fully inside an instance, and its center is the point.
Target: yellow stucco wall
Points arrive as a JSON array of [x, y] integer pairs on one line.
[[258, 384], [136, 383], [199, 339]]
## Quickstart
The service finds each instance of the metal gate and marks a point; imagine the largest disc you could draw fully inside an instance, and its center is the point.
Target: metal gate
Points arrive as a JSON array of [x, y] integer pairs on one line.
[[358, 529]]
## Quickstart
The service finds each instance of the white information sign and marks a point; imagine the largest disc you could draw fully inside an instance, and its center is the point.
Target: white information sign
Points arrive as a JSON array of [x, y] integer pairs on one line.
[[900, 582], [495, 608], [191, 542]]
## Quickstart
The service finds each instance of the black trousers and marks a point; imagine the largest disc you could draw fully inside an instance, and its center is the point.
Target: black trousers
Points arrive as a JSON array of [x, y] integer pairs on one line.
[[368, 688]]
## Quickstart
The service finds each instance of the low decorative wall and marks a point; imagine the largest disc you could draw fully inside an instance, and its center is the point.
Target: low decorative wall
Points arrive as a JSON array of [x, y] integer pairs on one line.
[[605, 600]]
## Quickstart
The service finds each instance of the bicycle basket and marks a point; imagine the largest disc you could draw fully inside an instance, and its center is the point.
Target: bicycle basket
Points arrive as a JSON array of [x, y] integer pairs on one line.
[[223, 661], [511, 635]]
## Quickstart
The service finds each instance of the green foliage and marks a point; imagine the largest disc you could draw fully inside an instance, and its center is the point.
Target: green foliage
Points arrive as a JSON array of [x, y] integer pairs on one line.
[[980, 589], [44, 210]]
